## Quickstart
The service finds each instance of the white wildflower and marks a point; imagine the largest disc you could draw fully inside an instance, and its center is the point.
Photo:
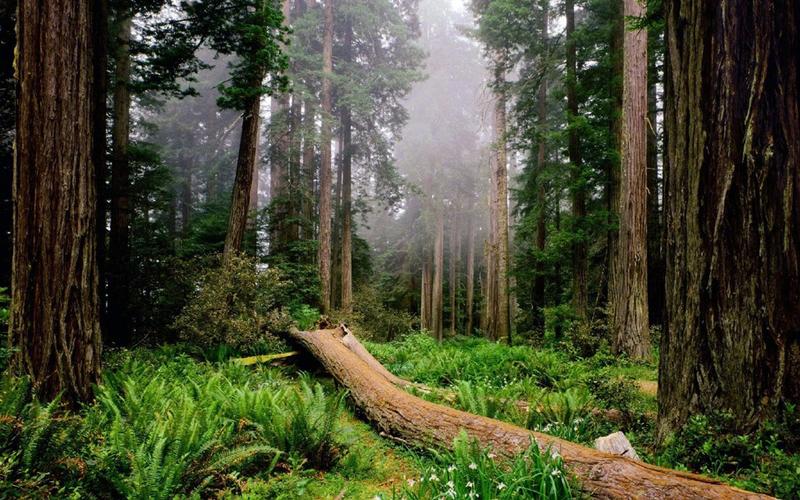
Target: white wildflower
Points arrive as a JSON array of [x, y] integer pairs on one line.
[[451, 484], [501, 486], [451, 468], [411, 483], [473, 465], [434, 477], [491, 455], [469, 484], [555, 472]]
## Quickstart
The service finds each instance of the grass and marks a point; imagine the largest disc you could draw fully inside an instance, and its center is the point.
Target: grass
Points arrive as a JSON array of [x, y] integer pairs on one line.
[[169, 425]]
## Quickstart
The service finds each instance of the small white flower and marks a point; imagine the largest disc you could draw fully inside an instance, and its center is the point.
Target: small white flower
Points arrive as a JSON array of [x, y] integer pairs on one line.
[[555, 472], [451, 493], [473, 465], [451, 468], [469, 484], [501, 486], [434, 477], [451, 484], [377, 497], [411, 483], [491, 455]]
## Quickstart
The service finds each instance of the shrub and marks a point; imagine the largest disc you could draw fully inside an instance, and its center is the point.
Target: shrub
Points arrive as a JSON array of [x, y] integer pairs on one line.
[[373, 320], [471, 471], [238, 304]]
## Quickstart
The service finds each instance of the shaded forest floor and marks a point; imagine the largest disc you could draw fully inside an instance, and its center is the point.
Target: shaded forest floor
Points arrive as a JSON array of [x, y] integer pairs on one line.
[[167, 422]]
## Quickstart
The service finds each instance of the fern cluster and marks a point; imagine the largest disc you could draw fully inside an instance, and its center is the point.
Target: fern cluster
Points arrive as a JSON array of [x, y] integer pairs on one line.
[[166, 426]]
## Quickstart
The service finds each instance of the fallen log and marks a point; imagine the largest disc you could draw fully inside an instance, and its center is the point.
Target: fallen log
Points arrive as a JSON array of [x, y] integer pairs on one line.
[[352, 343], [422, 423]]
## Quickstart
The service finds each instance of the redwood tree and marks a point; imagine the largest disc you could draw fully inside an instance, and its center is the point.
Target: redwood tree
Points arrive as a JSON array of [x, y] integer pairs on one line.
[[325, 183], [732, 336], [630, 326], [55, 310]]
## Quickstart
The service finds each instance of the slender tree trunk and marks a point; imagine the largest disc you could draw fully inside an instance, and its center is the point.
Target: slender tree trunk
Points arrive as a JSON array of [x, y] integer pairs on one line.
[[580, 297], [501, 165], [55, 311], [630, 333], [470, 275], [732, 337], [309, 168], [541, 199], [438, 276], [243, 182], [426, 299], [347, 166], [325, 168], [119, 324]]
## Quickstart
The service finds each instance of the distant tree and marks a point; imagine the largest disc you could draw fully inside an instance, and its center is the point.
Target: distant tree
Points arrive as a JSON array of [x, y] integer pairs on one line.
[[733, 212], [325, 179], [55, 308]]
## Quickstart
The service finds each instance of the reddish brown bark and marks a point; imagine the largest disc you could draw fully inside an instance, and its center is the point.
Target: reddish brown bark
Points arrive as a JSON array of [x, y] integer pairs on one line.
[[54, 321], [324, 257], [630, 325]]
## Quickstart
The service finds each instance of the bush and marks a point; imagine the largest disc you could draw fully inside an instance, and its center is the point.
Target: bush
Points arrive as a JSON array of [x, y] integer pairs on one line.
[[238, 304], [373, 320]]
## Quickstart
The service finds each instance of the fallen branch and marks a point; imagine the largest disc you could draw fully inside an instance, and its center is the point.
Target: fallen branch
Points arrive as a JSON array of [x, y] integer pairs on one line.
[[422, 423], [268, 358]]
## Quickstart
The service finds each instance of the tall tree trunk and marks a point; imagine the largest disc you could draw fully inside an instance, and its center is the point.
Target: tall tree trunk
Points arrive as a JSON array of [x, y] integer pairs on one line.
[[470, 276], [119, 324], [243, 182], [438, 276], [541, 199], [426, 300], [347, 166], [580, 297], [630, 325], [501, 176], [732, 337], [55, 311], [324, 257], [309, 169]]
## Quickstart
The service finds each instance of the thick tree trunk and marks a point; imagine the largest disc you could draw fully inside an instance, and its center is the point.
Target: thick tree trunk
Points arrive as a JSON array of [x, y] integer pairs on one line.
[[470, 276], [347, 180], [732, 337], [501, 178], [242, 184], [630, 325], [613, 167], [324, 257], [119, 324], [422, 423], [55, 311], [437, 300], [580, 299]]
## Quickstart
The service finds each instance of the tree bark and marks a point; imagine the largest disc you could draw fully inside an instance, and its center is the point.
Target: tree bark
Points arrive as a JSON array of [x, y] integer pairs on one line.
[[426, 301], [309, 169], [453, 271], [613, 167], [437, 300], [630, 325], [580, 299], [501, 179], [243, 182], [324, 258], [541, 199], [421, 423], [732, 337], [55, 310], [347, 173], [119, 324]]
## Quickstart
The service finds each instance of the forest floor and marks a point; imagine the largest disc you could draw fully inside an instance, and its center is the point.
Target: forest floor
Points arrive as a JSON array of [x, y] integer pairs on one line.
[[168, 423]]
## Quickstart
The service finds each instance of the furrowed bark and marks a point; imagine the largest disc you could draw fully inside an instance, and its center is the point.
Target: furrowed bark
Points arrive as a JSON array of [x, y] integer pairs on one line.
[[426, 424]]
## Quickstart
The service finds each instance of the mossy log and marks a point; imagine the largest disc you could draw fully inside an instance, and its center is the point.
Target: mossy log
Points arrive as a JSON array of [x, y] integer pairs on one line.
[[422, 423]]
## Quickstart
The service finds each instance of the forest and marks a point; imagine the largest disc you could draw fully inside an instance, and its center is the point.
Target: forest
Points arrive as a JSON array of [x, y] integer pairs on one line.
[[400, 249]]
